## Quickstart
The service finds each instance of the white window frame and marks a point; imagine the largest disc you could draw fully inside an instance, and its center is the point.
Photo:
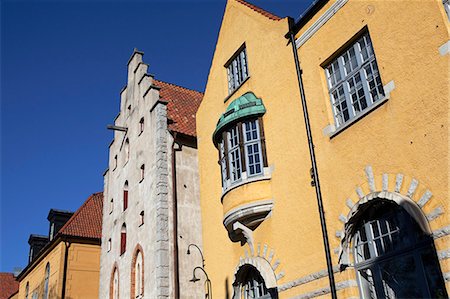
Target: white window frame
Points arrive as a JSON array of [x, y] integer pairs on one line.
[[343, 71], [237, 70], [232, 166]]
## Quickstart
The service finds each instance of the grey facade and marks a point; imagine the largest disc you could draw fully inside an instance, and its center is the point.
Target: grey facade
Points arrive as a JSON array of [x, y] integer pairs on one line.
[[142, 156]]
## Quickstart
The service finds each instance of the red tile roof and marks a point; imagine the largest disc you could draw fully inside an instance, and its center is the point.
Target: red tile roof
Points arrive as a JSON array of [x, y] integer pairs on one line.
[[182, 106], [87, 220], [8, 285], [260, 10]]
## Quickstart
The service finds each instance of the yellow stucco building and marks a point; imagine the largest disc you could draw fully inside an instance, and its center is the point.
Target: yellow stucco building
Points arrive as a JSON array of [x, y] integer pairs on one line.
[[376, 83], [66, 264]]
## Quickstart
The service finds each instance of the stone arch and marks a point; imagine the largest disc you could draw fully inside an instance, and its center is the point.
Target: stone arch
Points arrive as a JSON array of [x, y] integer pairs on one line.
[[115, 270], [264, 268], [137, 250]]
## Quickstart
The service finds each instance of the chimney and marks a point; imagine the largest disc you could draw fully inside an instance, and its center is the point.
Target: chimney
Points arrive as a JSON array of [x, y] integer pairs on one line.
[[57, 219], [37, 242]]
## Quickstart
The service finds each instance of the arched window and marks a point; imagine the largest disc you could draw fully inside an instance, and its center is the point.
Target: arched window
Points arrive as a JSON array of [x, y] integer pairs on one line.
[[27, 290], [137, 274], [125, 196], [393, 257], [123, 239], [127, 150], [251, 285], [114, 286], [47, 278]]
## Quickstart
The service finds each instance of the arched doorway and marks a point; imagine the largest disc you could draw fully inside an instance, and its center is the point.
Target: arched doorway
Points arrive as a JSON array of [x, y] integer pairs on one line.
[[393, 256]]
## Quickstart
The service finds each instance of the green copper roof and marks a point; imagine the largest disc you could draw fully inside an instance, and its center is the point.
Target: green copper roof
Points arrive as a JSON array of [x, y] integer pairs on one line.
[[245, 106]]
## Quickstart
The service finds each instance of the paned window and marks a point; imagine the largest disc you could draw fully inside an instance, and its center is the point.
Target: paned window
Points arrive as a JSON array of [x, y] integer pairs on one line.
[[354, 81], [394, 258], [237, 70], [241, 151], [252, 285]]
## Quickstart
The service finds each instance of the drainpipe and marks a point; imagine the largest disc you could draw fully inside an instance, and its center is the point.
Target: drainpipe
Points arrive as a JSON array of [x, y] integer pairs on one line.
[[66, 259], [175, 216], [314, 171]]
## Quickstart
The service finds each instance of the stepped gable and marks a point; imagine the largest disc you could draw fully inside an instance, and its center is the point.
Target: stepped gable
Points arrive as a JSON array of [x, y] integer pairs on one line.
[[87, 220], [182, 106]]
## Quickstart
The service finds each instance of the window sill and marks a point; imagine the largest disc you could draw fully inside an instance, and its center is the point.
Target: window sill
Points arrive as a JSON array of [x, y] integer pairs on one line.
[[348, 124], [266, 175], [235, 90]]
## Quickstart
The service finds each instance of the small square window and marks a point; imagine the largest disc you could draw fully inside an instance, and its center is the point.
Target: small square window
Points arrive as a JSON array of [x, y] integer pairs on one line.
[[237, 69]]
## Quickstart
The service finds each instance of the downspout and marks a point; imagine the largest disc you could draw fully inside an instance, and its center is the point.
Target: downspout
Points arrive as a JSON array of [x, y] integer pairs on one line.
[[175, 217], [314, 171], [66, 259]]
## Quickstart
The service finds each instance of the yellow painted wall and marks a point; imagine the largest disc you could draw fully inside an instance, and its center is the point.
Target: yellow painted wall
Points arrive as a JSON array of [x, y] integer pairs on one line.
[[36, 276], [83, 271], [82, 275], [408, 134]]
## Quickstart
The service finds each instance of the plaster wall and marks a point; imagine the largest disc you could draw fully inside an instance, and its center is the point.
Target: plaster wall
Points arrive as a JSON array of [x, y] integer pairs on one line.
[[36, 277], [153, 194], [406, 135]]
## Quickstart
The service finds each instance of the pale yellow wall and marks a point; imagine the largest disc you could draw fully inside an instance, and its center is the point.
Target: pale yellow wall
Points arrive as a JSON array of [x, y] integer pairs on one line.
[[83, 271], [36, 276], [408, 134]]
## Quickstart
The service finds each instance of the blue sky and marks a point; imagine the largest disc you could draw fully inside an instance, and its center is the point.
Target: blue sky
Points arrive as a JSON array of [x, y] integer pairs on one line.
[[63, 64]]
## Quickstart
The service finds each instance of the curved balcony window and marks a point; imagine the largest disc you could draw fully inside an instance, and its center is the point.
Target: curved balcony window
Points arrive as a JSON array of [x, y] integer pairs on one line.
[[239, 137]]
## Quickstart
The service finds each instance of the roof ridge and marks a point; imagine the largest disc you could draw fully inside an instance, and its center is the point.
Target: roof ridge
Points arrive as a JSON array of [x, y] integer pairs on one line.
[[176, 85], [71, 219], [260, 10]]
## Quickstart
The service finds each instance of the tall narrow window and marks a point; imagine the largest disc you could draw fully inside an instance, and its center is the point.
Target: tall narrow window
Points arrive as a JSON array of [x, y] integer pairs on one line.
[[111, 205], [115, 162], [137, 274], [127, 150], [46, 281], [27, 290], [109, 245], [252, 147], [114, 286], [394, 258], [237, 69], [125, 196], [234, 154], [141, 126], [142, 172], [123, 239]]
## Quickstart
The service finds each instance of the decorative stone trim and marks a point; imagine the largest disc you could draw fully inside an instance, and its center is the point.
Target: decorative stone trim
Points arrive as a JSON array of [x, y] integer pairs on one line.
[[442, 232], [323, 291], [263, 264], [413, 207], [444, 254], [435, 213], [444, 49], [306, 279], [320, 22]]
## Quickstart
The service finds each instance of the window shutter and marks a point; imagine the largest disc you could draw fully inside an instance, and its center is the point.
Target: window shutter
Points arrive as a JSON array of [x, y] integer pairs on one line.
[[125, 199]]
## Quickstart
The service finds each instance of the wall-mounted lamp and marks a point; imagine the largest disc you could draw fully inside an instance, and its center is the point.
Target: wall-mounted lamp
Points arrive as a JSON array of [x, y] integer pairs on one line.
[[208, 287]]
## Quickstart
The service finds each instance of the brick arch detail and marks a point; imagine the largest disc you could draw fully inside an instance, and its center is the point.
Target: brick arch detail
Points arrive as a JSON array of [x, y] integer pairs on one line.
[[111, 282], [138, 249]]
